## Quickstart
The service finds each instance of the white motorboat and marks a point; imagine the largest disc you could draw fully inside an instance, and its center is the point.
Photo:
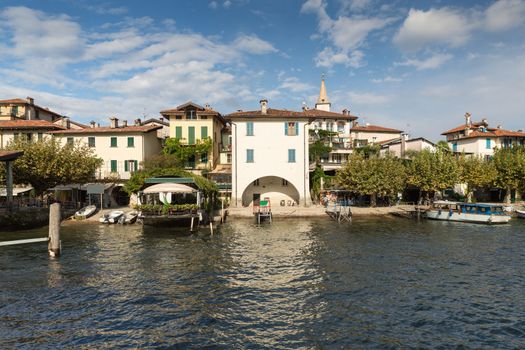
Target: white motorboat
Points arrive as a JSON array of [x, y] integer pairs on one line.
[[129, 218], [479, 213], [112, 217], [520, 214], [85, 212]]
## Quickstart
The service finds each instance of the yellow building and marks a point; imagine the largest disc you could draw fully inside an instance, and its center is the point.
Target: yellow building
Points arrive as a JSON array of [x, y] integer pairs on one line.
[[191, 123], [25, 109]]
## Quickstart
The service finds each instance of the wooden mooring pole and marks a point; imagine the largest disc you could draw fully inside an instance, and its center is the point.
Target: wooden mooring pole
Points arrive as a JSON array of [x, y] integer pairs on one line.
[[54, 230]]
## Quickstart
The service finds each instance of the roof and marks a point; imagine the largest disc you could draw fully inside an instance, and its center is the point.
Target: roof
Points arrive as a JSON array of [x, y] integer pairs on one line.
[[109, 130], [398, 141], [169, 187], [25, 102], [181, 109], [155, 120], [284, 113], [10, 155], [492, 133], [463, 127], [28, 124], [83, 126], [374, 128]]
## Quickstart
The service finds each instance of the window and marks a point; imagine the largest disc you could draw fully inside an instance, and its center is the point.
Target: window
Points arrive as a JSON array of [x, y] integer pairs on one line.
[[91, 141], [70, 141], [455, 147], [340, 127], [249, 156], [249, 129], [40, 136], [191, 135], [487, 144], [204, 117], [113, 142], [113, 166], [291, 128], [190, 115], [130, 165], [178, 132], [256, 182], [284, 182], [14, 110], [204, 132], [204, 158], [131, 141], [228, 158], [37, 114], [291, 156], [178, 117], [29, 137]]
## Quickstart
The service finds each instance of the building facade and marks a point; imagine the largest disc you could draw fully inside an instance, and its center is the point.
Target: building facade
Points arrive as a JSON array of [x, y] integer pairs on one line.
[[478, 138], [121, 147], [192, 124], [25, 109], [31, 130]]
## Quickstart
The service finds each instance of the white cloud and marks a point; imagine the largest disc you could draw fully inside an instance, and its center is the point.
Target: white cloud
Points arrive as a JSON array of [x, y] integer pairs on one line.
[[328, 58], [254, 45], [429, 63], [213, 5], [505, 15], [294, 85], [387, 79], [227, 4], [354, 5], [367, 98], [435, 26], [350, 33]]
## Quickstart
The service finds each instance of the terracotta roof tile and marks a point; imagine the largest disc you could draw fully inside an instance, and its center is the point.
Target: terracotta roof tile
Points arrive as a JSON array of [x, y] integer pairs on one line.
[[14, 100], [28, 124], [24, 101], [374, 128], [462, 127], [109, 130], [279, 113]]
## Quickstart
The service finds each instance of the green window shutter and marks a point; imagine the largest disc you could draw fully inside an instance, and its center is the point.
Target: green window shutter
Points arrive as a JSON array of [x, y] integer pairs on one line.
[[178, 132], [249, 156], [291, 156], [249, 128], [91, 141], [131, 142], [204, 132], [136, 165], [191, 135], [285, 128], [113, 142], [126, 167], [113, 166], [296, 128]]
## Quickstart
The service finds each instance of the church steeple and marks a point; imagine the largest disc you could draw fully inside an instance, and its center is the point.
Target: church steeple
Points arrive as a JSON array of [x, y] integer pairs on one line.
[[323, 103]]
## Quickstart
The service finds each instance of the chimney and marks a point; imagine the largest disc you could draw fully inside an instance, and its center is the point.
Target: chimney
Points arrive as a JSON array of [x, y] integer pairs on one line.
[[114, 122], [66, 123], [468, 121], [499, 126], [264, 106], [137, 122], [346, 112], [355, 123], [30, 100], [484, 121], [93, 124], [124, 123]]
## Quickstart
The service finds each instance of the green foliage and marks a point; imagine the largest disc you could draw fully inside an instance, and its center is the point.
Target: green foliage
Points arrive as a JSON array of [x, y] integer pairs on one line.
[[161, 161], [167, 209], [316, 177], [46, 163], [317, 149], [183, 152], [510, 169], [368, 150], [443, 145], [476, 173], [433, 171], [374, 176]]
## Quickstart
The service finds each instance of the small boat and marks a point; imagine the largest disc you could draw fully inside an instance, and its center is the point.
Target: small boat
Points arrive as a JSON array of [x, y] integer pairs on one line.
[[520, 213], [129, 218], [112, 217], [479, 213], [85, 212]]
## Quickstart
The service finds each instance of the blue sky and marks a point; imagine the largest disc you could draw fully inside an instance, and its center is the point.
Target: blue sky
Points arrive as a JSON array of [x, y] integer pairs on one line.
[[413, 65]]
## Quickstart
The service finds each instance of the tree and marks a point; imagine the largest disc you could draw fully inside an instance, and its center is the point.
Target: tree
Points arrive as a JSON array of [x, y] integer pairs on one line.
[[375, 176], [432, 171], [320, 146], [510, 169], [475, 173], [183, 152], [46, 163], [443, 145]]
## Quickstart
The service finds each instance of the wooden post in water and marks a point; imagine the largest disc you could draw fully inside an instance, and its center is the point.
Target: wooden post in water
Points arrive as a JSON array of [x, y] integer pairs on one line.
[[54, 230], [211, 228]]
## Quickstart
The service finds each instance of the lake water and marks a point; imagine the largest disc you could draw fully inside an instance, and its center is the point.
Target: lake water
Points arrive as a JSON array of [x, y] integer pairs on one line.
[[293, 284]]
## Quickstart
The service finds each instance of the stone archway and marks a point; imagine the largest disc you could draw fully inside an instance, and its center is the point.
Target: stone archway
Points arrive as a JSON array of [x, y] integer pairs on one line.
[[279, 190]]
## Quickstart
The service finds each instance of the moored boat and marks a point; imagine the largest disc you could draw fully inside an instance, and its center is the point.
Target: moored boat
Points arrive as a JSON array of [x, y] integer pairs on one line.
[[520, 214], [479, 213], [129, 218], [85, 212], [112, 217]]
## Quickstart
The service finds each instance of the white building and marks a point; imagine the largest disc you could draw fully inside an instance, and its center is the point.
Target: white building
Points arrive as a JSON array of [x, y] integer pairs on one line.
[[399, 147], [478, 138], [121, 147], [363, 135], [270, 154]]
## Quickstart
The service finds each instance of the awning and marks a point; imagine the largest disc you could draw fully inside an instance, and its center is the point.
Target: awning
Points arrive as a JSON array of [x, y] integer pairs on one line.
[[16, 191], [169, 187]]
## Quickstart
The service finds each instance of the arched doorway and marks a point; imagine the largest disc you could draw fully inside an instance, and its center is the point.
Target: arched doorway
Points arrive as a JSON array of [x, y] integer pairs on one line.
[[277, 189], [119, 196]]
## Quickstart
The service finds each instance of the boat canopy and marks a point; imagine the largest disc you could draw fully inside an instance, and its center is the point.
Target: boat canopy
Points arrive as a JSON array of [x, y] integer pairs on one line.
[[169, 187]]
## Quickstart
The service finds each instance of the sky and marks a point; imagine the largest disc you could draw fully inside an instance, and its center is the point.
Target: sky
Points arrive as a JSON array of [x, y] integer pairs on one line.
[[417, 66]]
